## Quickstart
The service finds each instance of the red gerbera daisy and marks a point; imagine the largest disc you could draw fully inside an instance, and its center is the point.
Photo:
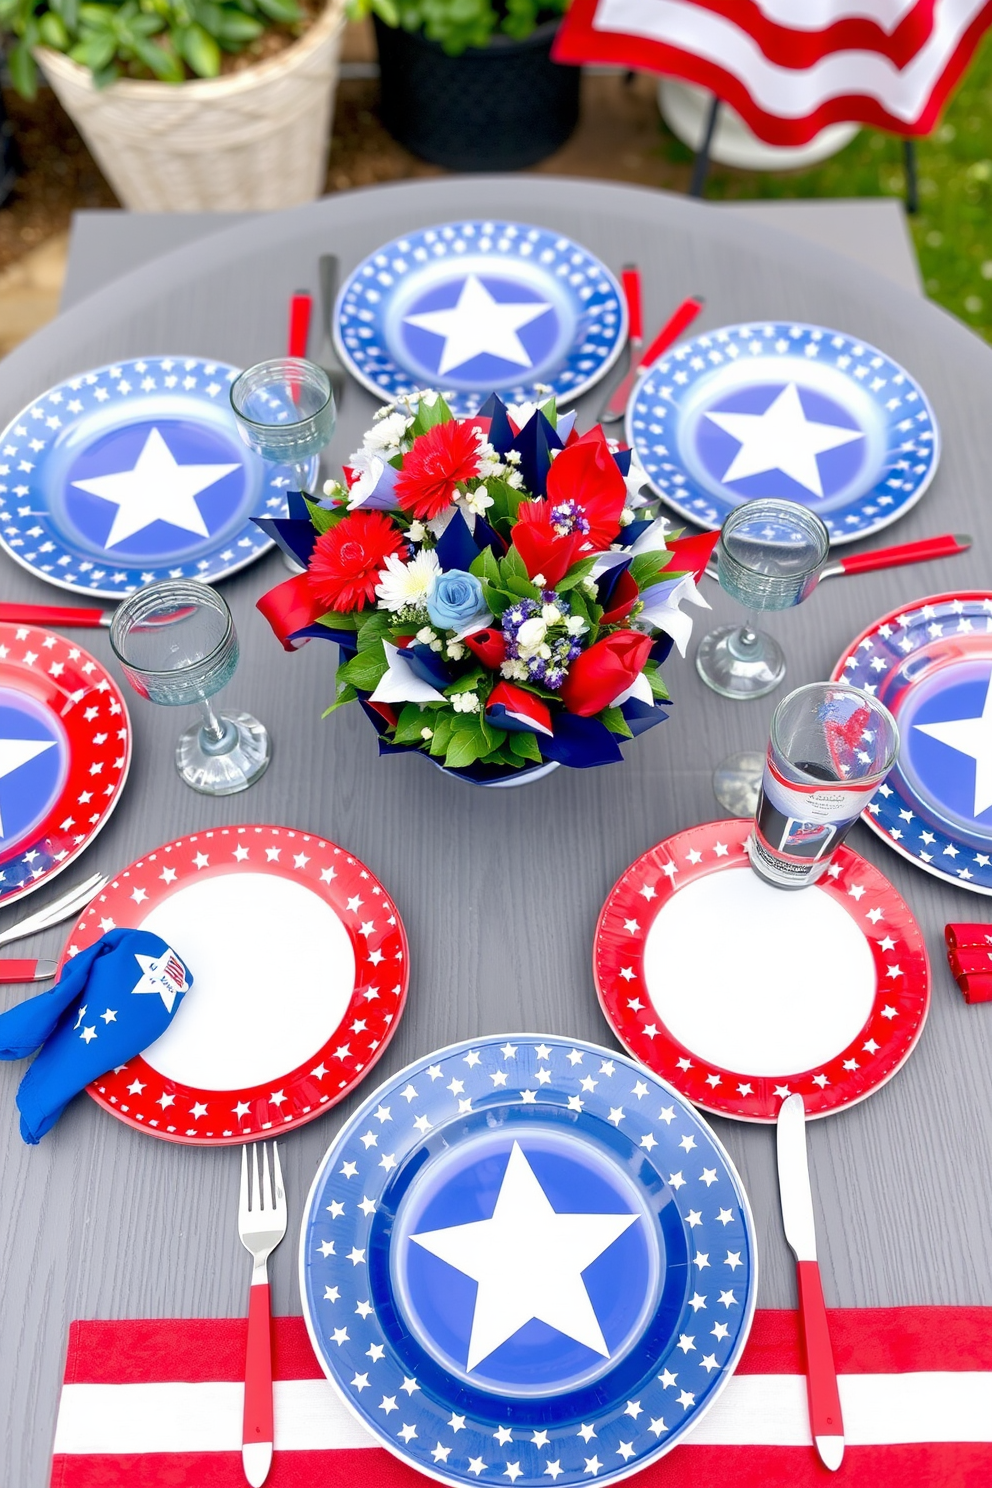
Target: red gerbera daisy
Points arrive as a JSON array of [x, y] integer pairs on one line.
[[446, 455], [345, 563]]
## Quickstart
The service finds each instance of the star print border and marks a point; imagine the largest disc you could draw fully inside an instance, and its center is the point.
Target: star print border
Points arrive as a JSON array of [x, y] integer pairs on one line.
[[674, 390], [902, 991], [146, 1100]]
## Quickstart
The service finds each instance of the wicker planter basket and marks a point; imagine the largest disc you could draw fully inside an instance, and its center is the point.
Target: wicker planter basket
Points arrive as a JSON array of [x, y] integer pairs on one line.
[[254, 140]]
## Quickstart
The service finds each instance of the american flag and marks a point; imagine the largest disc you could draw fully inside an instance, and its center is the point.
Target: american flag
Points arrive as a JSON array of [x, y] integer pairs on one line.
[[153, 1404]]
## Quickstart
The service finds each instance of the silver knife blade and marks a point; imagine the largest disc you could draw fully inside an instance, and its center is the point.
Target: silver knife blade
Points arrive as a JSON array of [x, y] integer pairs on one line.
[[793, 1179]]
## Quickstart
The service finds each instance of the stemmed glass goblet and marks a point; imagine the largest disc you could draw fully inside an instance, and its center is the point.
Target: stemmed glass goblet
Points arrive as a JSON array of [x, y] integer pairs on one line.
[[177, 645]]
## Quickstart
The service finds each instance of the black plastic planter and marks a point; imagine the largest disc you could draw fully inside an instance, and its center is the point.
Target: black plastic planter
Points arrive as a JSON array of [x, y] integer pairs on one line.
[[494, 108]]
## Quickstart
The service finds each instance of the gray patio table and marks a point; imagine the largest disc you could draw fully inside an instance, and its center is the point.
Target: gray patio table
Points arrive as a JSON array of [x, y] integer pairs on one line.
[[499, 890]]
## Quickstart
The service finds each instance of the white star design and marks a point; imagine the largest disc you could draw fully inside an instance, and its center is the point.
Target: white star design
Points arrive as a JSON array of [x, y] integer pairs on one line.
[[154, 980], [781, 438], [973, 737], [528, 1261], [17, 752], [156, 489], [479, 325]]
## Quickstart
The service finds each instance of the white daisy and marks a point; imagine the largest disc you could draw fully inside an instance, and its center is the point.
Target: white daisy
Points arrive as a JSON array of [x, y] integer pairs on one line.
[[402, 585]]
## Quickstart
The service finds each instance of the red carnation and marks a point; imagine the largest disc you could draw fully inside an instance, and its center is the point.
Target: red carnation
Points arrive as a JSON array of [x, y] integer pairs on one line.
[[586, 472], [345, 563], [446, 455]]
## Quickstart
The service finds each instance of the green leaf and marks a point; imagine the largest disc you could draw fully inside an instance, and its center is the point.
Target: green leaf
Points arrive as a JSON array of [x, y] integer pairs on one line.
[[367, 669], [200, 50], [325, 517], [346, 694], [657, 684], [51, 29], [23, 70], [428, 415], [576, 574], [467, 683], [101, 17], [335, 621], [373, 629], [506, 503], [165, 65], [443, 726], [386, 11], [236, 28], [525, 746], [467, 743], [68, 10], [285, 11], [496, 599], [410, 724], [96, 51], [523, 587], [649, 568], [485, 566], [512, 566], [615, 722]]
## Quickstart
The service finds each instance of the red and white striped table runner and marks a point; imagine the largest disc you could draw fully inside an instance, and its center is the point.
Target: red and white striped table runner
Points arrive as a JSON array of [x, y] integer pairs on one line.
[[157, 1404]]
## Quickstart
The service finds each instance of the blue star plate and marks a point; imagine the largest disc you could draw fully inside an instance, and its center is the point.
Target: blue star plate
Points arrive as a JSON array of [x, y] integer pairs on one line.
[[472, 308], [784, 410], [132, 473], [930, 663], [528, 1259]]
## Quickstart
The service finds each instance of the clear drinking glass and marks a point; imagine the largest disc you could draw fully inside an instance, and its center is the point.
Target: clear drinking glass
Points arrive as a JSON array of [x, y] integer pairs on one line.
[[285, 412], [769, 557], [830, 748], [177, 645]]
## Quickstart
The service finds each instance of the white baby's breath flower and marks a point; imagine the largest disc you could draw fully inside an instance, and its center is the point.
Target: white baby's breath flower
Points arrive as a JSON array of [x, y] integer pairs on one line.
[[539, 580], [416, 532], [425, 635], [387, 435], [334, 488], [514, 671], [455, 650], [515, 479], [465, 702], [427, 733], [512, 457], [477, 501], [407, 584], [550, 614], [626, 517], [575, 625]]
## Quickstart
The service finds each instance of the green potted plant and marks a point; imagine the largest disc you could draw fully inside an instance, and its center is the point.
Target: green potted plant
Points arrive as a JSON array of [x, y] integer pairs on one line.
[[470, 84], [188, 105]]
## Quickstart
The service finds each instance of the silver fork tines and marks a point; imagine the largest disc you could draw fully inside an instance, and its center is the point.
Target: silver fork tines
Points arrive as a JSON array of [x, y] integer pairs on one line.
[[262, 1205]]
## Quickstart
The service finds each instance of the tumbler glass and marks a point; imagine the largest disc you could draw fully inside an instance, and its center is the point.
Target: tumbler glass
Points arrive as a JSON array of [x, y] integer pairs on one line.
[[177, 645], [831, 746], [285, 412]]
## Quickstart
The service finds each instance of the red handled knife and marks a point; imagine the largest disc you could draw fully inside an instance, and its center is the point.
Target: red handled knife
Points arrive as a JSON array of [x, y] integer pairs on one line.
[[616, 404], [26, 971]]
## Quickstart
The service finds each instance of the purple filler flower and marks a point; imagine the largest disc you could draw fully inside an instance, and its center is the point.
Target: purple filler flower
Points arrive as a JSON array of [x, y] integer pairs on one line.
[[544, 650]]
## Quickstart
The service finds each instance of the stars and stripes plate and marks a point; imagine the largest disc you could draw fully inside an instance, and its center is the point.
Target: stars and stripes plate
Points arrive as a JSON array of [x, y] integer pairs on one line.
[[930, 663], [525, 1258], [65, 749], [477, 307], [299, 963], [740, 995], [783, 409], [131, 473]]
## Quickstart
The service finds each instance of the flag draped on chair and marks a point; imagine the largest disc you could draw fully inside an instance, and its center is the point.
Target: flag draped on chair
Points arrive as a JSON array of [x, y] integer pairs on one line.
[[887, 63]]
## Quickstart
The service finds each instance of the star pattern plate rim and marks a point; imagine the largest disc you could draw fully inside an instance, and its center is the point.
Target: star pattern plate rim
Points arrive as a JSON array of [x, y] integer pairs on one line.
[[745, 1224], [307, 1100], [868, 817], [760, 1104], [259, 543], [461, 402], [854, 532], [74, 655]]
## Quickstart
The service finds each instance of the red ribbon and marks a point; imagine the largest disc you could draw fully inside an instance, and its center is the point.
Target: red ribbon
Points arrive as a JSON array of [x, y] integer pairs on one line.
[[290, 607]]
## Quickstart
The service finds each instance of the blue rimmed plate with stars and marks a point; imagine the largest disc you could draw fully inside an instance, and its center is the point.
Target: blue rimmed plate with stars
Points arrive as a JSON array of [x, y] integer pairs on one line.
[[787, 410], [131, 473], [930, 663], [476, 307], [527, 1259]]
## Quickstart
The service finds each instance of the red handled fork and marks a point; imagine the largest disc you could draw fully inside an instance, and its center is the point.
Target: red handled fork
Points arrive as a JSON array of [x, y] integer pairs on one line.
[[261, 1225]]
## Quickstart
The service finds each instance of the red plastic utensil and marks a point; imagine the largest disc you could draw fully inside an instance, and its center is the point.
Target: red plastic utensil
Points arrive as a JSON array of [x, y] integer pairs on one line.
[[631, 277], [616, 404], [300, 307], [65, 615], [25, 971], [944, 546]]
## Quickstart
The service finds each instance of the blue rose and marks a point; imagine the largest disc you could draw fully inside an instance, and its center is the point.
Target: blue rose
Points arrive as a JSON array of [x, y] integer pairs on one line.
[[455, 600]]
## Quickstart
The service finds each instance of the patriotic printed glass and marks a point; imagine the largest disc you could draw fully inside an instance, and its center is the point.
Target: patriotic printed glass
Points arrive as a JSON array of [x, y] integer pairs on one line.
[[177, 644], [831, 747]]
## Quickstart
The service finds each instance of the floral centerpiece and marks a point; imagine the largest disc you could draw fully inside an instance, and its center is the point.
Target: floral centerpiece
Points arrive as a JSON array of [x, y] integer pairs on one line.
[[501, 592]]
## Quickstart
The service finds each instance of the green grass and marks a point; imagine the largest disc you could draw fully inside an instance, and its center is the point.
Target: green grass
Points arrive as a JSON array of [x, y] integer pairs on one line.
[[953, 229]]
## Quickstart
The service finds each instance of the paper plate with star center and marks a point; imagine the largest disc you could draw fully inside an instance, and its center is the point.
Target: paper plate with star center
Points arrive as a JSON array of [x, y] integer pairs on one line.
[[527, 1260], [132, 473], [741, 995], [930, 663], [785, 410], [299, 965], [65, 749], [477, 307]]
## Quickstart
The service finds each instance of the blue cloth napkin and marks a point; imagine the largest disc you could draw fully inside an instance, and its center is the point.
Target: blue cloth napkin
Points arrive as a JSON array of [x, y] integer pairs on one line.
[[111, 1001]]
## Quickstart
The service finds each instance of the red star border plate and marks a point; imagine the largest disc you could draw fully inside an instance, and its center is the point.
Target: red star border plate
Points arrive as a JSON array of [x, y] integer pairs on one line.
[[740, 994], [65, 748], [300, 972]]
